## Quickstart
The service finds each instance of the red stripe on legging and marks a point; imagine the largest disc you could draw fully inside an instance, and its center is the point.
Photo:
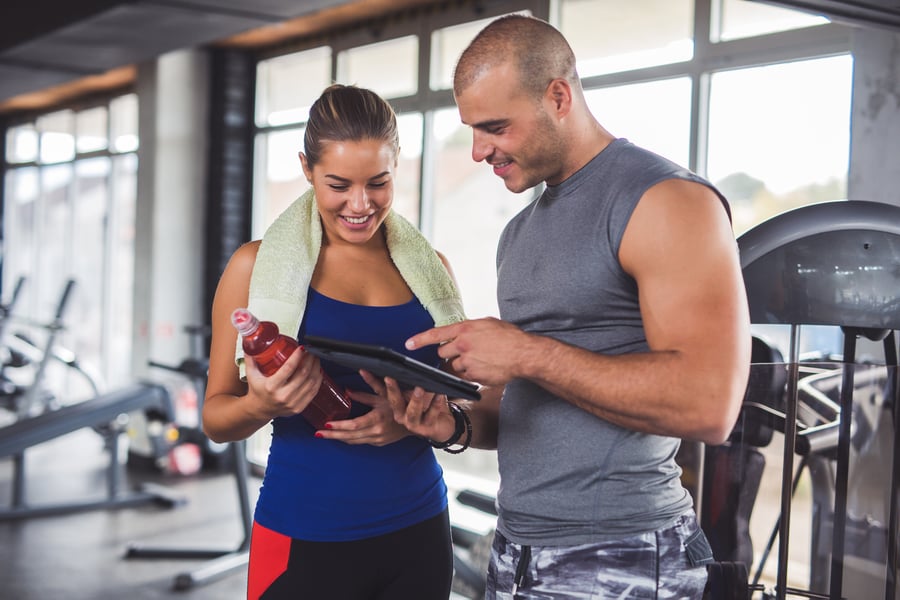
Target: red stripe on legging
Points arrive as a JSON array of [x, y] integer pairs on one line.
[[269, 553]]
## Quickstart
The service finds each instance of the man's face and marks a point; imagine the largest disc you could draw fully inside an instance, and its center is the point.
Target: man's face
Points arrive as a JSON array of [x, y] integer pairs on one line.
[[511, 131]]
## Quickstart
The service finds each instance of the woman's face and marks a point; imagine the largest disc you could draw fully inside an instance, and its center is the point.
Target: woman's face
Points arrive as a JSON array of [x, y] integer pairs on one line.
[[354, 184]]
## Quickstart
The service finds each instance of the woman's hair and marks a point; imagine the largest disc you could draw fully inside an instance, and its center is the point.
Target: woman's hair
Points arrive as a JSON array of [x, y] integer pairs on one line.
[[348, 113]]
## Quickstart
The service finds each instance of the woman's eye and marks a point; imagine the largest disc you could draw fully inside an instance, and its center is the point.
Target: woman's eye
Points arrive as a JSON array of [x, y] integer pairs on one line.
[[339, 188], [379, 184]]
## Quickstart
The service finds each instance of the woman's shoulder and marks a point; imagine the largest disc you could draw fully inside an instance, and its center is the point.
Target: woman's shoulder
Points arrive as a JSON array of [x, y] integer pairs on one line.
[[243, 259], [246, 253]]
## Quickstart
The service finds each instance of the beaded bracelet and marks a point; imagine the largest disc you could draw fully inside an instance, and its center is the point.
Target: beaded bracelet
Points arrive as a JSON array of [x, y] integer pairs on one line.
[[463, 425]]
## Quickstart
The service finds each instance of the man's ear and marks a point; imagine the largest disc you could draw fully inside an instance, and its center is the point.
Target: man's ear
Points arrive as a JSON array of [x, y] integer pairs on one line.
[[559, 95]]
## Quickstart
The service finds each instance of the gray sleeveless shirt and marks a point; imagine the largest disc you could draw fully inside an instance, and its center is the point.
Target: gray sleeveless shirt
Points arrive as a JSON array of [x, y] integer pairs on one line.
[[566, 476]]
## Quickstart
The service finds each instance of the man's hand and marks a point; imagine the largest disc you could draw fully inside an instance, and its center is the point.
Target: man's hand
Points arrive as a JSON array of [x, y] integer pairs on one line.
[[488, 351]]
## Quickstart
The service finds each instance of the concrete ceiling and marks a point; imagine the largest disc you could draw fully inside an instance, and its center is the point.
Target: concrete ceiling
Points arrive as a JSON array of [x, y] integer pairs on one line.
[[51, 48]]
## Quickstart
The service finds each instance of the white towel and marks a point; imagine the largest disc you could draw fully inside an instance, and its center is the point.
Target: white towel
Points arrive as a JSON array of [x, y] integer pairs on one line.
[[290, 248]]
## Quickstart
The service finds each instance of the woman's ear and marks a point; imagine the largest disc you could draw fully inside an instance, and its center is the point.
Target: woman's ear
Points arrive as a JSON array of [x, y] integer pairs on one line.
[[304, 163]]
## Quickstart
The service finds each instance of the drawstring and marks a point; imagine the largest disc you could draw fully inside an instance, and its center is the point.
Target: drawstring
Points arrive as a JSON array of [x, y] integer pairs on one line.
[[521, 569]]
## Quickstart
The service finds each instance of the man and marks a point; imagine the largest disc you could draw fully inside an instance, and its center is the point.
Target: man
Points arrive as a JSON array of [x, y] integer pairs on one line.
[[624, 330]]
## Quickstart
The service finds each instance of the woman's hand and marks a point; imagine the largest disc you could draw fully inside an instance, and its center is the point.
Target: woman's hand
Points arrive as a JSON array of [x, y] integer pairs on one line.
[[377, 427], [422, 413], [289, 390]]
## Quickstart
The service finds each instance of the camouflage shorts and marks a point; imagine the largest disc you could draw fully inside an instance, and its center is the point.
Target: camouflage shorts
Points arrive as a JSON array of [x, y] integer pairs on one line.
[[660, 565]]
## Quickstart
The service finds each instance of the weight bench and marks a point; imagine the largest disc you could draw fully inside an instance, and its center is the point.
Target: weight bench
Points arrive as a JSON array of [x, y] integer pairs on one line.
[[97, 413]]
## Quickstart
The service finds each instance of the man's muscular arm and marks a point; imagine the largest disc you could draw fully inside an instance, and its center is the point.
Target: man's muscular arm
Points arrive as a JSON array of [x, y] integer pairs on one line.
[[680, 249]]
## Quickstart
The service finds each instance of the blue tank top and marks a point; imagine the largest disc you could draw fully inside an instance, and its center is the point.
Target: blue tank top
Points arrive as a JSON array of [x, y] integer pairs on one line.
[[325, 490]]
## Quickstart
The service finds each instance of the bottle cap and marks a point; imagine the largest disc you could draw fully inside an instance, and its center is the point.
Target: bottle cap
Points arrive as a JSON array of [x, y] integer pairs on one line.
[[244, 321]]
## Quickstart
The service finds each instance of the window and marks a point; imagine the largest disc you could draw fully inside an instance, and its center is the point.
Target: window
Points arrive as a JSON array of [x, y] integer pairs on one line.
[[389, 68], [21, 144], [406, 182], [69, 214], [123, 123], [446, 46], [772, 151], [91, 130], [279, 175], [471, 206], [608, 37], [741, 19], [287, 86], [655, 115], [57, 137]]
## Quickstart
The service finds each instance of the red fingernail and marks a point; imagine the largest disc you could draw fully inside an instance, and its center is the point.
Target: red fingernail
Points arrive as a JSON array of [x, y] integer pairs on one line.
[[318, 434], [327, 425]]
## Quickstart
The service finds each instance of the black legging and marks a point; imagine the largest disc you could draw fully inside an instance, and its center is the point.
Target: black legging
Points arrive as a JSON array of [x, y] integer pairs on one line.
[[415, 563]]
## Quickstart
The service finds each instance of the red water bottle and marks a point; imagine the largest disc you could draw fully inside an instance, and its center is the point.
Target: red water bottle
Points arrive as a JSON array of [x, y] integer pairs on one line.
[[270, 348]]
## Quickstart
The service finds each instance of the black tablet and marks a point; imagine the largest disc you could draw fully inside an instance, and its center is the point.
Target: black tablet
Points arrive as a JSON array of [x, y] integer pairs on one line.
[[385, 362]]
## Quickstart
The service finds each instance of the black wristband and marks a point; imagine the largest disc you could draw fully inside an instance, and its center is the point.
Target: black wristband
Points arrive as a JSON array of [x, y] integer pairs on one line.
[[468, 425], [459, 420]]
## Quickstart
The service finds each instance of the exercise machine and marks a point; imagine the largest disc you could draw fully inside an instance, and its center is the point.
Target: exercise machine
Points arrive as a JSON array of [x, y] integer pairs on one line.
[[107, 408], [833, 264], [221, 561], [40, 416]]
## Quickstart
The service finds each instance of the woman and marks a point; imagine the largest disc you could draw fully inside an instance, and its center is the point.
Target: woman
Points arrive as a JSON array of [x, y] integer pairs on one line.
[[357, 510]]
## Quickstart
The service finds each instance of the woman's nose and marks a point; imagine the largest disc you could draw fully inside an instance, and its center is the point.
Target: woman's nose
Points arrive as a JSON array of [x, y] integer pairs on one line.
[[359, 200]]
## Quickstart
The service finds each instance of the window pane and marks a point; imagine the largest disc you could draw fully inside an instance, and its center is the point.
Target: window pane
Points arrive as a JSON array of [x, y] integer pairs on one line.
[[53, 232], [22, 144], [471, 207], [406, 183], [446, 46], [654, 115], [740, 19], [57, 136], [119, 316], [388, 68], [280, 178], [90, 130], [89, 211], [635, 34], [123, 123], [60, 221], [286, 86], [779, 136], [21, 193]]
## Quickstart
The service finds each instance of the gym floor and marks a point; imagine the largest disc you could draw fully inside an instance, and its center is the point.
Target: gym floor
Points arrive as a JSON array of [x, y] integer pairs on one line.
[[82, 555]]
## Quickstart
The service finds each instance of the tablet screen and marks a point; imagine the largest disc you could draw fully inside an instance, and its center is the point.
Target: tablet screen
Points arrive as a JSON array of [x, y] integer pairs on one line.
[[384, 362]]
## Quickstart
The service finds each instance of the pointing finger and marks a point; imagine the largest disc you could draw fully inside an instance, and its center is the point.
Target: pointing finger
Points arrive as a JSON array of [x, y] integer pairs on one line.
[[435, 335]]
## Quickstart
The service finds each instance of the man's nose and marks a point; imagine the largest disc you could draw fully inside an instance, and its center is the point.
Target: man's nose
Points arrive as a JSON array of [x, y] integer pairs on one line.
[[481, 148]]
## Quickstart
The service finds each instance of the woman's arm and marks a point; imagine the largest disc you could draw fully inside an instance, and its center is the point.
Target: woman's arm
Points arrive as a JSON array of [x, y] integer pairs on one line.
[[235, 409]]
